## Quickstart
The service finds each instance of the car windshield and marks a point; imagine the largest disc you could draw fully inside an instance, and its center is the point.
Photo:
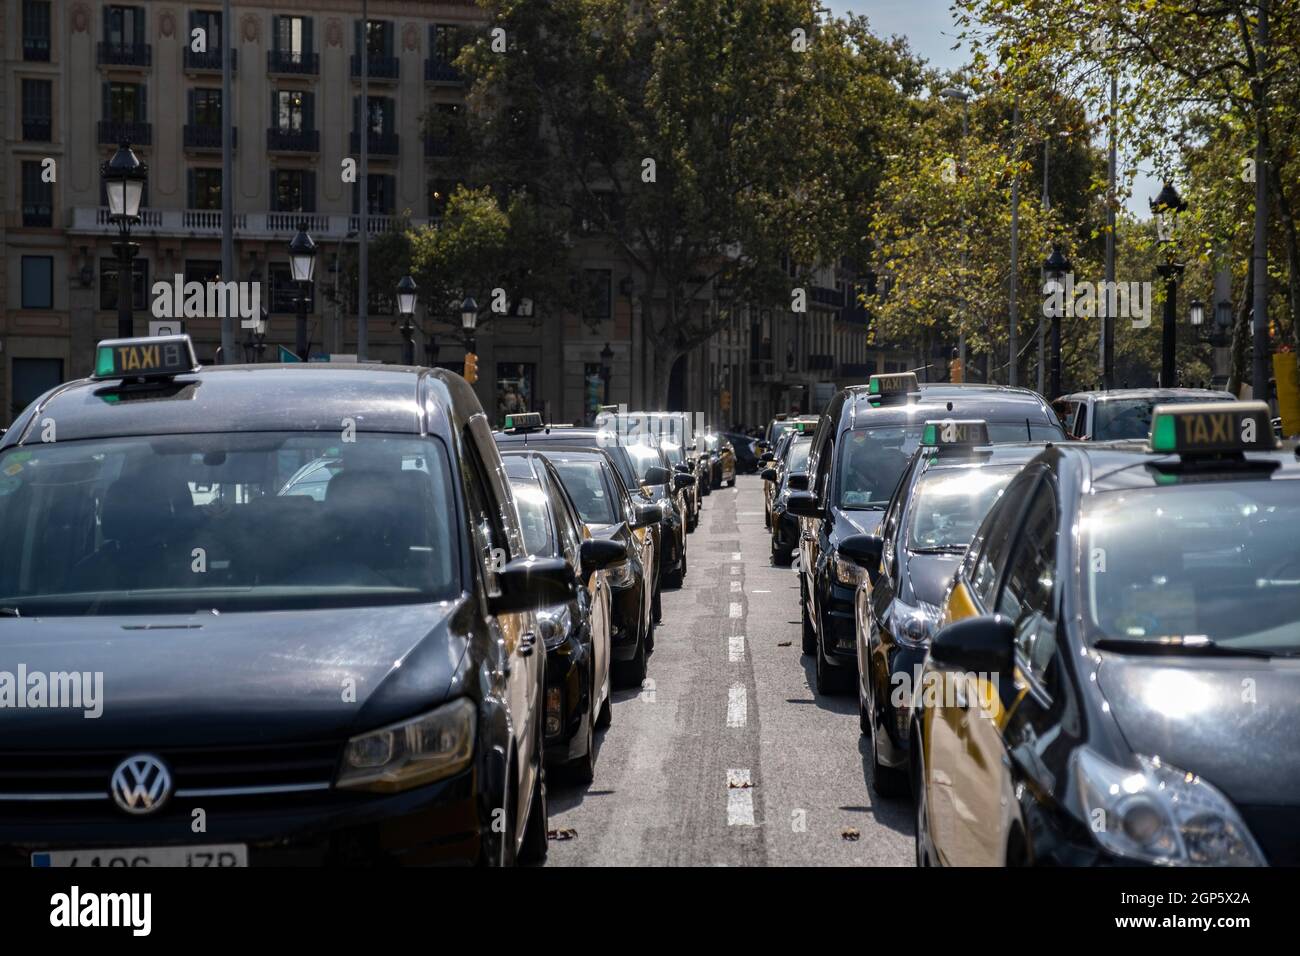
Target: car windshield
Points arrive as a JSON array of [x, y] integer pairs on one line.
[[1024, 430], [796, 458], [948, 504], [534, 516], [1118, 418], [585, 482], [871, 462], [673, 453], [1216, 559], [643, 458], [185, 523]]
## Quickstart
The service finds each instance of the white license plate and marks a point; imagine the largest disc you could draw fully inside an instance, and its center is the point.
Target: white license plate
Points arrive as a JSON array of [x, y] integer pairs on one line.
[[223, 855]]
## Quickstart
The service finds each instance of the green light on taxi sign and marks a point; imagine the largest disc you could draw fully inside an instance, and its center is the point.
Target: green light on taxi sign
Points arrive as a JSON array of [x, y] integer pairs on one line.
[[104, 364], [1164, 433], [931, 434]]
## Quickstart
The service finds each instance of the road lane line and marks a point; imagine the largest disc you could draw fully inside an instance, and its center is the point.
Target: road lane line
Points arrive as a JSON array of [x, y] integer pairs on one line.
[[735, 556], [736, 706], [740, 799], [735, 587], [736, 610], [736, 648]]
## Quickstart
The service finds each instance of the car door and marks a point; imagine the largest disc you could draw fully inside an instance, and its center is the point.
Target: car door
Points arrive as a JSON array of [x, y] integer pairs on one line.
[[1026, 595], [881, 595], [499, 541], [594, 597]]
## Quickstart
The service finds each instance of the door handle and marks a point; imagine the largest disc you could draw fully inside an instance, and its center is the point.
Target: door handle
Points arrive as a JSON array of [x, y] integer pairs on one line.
[[527, 643]]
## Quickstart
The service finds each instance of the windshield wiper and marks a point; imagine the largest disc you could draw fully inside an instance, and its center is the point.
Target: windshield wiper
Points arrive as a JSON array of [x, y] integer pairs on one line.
[[940, 549], [9, 612], [1182, 645]]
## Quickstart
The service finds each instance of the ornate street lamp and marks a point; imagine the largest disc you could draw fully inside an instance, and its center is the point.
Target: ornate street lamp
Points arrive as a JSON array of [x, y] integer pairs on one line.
[[1055, 268], [124, 180], [1165, 208], [606, 368], [302, 263], [406, 296]]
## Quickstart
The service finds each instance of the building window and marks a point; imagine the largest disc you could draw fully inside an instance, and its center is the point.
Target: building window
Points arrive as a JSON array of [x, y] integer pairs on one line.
[[205, 188], [108, 284], [38, 282], [514, 388], [32, 378], [293, 190], [596, 297], [38, 197], [37, 114], [292, 47], [284, 291], [202, 270], [381, 195], [444, 42], [124, 26], [36, 30], [440, 191], [205, 108], [593, 390], [292, 110], [124, 103], [209, 21]]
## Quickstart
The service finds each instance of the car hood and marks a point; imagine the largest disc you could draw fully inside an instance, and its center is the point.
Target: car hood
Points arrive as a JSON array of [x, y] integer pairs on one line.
[[1230, 720], [928, 576], [272, 677]]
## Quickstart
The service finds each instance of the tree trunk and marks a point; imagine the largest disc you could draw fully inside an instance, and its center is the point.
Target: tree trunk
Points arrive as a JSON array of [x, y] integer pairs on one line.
[[1241, 332], [662, 371]]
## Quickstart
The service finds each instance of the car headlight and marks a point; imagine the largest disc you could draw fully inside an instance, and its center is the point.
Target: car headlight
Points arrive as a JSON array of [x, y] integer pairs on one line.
[[913, 626], [1160, 814], [414, 752], [622, 575], [554, 626], [848, 573]]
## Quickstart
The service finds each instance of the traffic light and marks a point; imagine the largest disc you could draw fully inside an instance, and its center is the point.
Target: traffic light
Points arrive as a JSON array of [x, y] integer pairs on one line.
[[471, 367]]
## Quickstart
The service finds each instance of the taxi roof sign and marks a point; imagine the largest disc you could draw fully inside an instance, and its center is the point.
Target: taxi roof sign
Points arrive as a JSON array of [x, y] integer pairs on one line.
[[893, 383], [157, 356], [955, 433], [523, 422], [1211, 428]]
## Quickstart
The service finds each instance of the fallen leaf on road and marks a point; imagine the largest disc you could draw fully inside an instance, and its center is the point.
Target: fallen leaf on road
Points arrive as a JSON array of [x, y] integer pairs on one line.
[[850, 833], [561, 833], [742, 785], [784, 643]]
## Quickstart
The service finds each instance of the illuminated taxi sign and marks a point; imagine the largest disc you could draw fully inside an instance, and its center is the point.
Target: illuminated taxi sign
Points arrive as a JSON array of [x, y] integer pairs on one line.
[[1211, 428], [805, 428], [524, 422], [159, 356], [954, 433], [893, 383]]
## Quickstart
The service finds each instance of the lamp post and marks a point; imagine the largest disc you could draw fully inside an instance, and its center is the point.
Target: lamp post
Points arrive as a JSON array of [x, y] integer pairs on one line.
[[255, 341], [1166, 207], [431, 351], [302, 261], [406, 295], [124, 178], [1055, 269], [468, 322], [956, 93], [606, 368]]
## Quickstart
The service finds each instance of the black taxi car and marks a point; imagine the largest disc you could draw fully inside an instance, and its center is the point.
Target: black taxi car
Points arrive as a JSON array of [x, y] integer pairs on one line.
[[779, 477], [952, 481], [577, 633], [862, 445], [1117, 679], [1123, 413], [355, 679], [792, 429]]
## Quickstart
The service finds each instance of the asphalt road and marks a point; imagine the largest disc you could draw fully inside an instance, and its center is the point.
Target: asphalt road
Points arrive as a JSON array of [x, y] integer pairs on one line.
[[727, 756]]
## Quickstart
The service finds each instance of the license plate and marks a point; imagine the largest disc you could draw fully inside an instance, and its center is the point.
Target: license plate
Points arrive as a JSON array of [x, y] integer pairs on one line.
[[222, 855]]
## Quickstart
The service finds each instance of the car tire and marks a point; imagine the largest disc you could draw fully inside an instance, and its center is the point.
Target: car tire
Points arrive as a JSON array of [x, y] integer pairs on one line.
[[534, 847], [673, 579], [632, 672], [650, 633], [809, 635], [780, 558], [606, 715], [583, 769], [830, 681], [502, 852], [657, 605], [923, 855], [889, 782]]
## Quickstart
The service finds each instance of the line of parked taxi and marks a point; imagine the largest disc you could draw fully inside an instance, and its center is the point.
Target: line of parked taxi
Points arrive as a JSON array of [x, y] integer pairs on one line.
[[1064, 651]]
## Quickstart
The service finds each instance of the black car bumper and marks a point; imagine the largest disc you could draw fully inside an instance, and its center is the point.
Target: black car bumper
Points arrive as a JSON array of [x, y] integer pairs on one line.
[[442, 823]]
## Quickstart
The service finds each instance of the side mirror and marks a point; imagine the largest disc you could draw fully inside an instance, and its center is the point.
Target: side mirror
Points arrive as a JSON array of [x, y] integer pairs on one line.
[[766, 456], [798, 481], [656, 475], [803, 504], [981, 645], [864, 550], [597, 553], [768, 474], [646, 515], [682, 466], [530, 583], [683, 480]]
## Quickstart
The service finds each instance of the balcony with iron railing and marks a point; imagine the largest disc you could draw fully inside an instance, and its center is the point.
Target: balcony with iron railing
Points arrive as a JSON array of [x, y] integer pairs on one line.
[[292, 63], [37, 130], [204, 137], [208, 61], [438, 70], [379, 67], [292, 140], [36, 49], [112, 132], [188, 223], [124, 54], [38, 215], [377, 144]]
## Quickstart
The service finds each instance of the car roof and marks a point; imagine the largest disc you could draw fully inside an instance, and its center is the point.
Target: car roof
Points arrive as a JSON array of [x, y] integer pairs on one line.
[[997, 404], [1099, 395], [1015, 453], [265, 397], [575, 436], [1120, 465]]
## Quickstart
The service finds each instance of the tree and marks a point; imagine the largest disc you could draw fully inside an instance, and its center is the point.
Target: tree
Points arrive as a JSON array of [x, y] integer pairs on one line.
[[713, 141]]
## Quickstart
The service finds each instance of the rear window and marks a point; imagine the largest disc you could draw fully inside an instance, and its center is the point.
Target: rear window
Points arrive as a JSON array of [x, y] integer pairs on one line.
[[586, 483], [1120, 418]]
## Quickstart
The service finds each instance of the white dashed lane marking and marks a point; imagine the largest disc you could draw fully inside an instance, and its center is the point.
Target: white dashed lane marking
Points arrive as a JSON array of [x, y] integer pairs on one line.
[[736, 648], [736, 707], [740, 799], [736, 610]]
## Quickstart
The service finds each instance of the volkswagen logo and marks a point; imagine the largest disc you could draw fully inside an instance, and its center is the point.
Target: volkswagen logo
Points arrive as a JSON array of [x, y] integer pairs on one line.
[[141, 784]]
